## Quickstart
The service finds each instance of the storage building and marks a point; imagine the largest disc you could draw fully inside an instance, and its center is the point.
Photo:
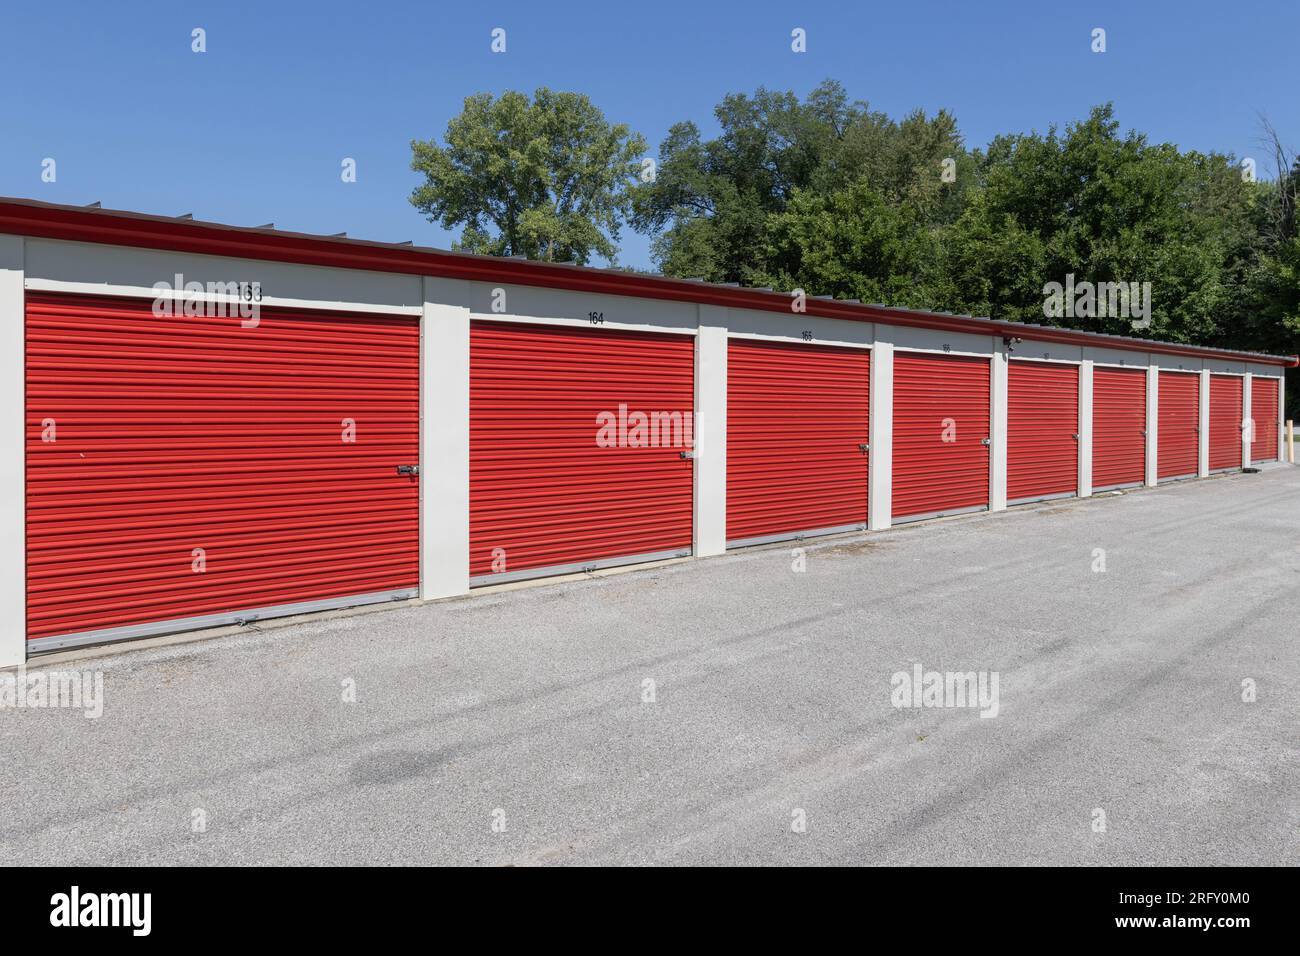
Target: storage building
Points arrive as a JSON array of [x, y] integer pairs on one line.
[[223, 424]]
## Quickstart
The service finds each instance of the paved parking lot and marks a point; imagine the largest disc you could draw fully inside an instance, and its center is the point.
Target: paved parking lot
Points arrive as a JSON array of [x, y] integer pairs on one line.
[[733, 710]]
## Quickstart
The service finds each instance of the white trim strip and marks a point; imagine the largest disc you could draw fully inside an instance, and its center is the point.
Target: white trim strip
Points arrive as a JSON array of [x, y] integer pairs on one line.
[[940, 514], [794, 535], [270, 301], [577, 567], [1013, 357], [109, 635], [797, 339], [924, 350], [1120, 487], [1056, 496], [583, 323], [13, 456]]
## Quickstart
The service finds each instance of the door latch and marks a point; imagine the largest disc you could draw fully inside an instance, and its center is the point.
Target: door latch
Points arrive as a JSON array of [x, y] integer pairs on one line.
[[408, 469], [686, 455], [1075, 436], [986, 441], [864, 447]]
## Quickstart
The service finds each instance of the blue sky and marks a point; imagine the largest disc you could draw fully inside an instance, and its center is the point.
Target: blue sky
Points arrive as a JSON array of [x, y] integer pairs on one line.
[[254, 130]]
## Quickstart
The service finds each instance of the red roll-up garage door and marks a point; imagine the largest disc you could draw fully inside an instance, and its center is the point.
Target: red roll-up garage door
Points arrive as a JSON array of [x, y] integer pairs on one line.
[[1226, 411], [184, 472], [941, 430], [1042, 430], [1264, 412], [576, 441], [1119, 422], [1179, 415], [796, 421]]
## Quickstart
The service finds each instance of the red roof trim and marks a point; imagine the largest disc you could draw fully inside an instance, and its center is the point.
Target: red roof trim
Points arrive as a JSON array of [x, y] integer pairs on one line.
[[113, 227]]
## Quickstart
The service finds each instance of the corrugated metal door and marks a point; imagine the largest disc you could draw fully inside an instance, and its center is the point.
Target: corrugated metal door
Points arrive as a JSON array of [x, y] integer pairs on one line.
[[1042, 430], [1227, 408], [576, 444], [1119, 423], [181, 470], [1178, 417], [941, 434], [1264, 411], [796, 431]]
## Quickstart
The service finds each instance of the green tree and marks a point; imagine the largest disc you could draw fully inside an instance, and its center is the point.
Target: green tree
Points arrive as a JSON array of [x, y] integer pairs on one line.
[[547, 178], [827, 195], [851, 243], [715, 202], [1272, 284], [1107, 207]]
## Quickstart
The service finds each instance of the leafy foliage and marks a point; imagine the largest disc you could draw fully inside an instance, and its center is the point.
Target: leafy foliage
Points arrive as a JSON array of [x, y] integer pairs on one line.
[[546, 178], [828, 195], [834, 198]]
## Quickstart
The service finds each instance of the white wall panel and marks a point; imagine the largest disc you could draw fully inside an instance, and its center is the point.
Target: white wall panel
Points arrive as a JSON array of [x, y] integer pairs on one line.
[[1118, 357], [1085, 428], [444, 439], [516, 303], [880, 434], [711, 432], [1046, 351], [1176, 363], [799, 327], [1153, 425], [1203, 429], [115, 270], [999, 396], [13, 452], [929, 340]]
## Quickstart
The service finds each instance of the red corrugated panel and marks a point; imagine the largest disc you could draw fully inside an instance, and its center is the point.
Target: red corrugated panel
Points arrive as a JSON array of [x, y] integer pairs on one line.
[[1178, 415], [941, 419], [1042, 422], [173, 434], [1119, 421], [1264, 410], [1227, 408], [550, 484], [796, 418]]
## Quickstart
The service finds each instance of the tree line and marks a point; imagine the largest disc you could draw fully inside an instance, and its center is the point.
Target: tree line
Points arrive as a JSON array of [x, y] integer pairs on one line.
[[827, 195]]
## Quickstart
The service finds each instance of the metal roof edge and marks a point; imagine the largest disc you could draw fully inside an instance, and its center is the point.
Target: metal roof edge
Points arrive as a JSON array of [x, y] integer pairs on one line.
[[28, 217]]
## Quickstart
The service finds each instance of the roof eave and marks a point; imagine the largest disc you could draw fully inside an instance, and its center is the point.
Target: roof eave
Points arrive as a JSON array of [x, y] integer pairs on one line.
[[121, 228]]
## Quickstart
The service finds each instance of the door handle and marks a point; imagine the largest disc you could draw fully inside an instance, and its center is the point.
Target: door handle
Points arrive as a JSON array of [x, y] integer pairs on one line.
[[1075, 436], [686, 455], [864, 447], [408, 469], [986, 441]]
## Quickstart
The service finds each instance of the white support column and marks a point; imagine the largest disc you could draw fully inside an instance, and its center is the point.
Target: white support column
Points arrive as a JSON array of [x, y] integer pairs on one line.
[[13, 456], [444, 439], [880, 435], [1203, 429], [1281, 416], [998, 427], [711, 432], [1247, 420], [1153, 424], [1085, 428]]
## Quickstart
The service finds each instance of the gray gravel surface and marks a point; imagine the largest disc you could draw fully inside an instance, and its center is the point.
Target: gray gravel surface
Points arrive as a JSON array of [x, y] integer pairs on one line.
[[1119, 691]]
